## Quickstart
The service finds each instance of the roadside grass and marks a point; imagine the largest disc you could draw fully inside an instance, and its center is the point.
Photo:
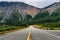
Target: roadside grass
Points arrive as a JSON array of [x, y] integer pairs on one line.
[[7, 28], [49, 26]]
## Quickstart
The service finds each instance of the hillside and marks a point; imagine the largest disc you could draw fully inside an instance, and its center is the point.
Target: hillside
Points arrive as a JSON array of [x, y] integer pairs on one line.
[[22, 13], [16, 11], [48, 14]]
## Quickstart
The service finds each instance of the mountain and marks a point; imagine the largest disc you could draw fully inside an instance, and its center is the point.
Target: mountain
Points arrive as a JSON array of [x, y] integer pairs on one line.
[[50, 13], [20, 6], [19, 12], [10, 9], [51, 8]]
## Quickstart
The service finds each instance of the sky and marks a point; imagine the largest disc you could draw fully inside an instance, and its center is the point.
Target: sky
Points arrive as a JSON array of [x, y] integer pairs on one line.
[[36, 3]]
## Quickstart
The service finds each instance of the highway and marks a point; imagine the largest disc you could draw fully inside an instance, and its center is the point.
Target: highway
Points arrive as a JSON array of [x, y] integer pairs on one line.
[[18, 35], [38, 34], [35, 34]]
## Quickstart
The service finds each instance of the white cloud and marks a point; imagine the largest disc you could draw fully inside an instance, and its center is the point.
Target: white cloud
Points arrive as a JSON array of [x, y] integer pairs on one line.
[[30, 0], [37, 3], [21, 0]]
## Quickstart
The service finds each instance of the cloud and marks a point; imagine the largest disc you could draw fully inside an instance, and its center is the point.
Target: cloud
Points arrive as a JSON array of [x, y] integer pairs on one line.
[[22, 0], [30, 0], [37, 3]]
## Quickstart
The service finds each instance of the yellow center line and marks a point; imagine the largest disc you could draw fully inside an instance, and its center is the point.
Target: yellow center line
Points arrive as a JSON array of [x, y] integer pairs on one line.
[[29, 35]]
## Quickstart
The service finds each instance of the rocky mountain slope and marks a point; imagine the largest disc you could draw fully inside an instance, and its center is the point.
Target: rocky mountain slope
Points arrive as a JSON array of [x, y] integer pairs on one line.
[[15, 12], [7, 9], [51, 8], [50, 13]]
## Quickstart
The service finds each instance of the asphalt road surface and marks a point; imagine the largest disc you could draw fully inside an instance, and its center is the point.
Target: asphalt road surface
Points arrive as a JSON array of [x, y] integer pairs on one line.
[[18, 35], [36, 34]]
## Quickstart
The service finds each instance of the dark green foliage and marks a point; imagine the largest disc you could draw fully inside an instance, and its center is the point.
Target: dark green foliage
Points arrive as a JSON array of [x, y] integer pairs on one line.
[[28, 16], [15, 18], [41, 15], [27, 20], [56, 12], [8, 27], [51, 25]]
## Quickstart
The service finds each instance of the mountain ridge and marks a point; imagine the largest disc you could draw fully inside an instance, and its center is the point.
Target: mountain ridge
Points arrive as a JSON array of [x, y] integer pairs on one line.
[[22, 5], [7, 9]]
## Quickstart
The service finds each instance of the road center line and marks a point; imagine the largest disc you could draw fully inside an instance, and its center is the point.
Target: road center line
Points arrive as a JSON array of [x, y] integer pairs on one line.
[[29, 35]]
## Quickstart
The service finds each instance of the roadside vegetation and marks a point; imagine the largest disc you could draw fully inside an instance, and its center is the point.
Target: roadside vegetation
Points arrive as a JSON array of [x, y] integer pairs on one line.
[[10, 28], [52, 26], [48, 26]]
